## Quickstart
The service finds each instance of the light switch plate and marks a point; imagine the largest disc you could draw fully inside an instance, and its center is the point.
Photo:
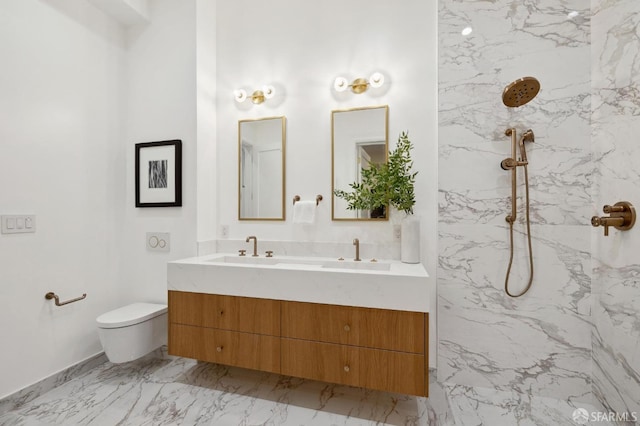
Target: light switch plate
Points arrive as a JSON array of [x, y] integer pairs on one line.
[[18, 223]]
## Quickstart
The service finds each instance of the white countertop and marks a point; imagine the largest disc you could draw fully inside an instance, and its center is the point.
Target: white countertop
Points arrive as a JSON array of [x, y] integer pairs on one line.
[[305, 279]]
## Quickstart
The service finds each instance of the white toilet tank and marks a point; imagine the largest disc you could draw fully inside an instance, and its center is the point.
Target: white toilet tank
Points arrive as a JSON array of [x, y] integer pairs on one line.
[[132, 331]]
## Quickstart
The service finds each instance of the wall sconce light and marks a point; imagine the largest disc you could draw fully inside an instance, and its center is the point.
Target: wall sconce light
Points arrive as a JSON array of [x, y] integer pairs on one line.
[[359, 85], [257, 97]]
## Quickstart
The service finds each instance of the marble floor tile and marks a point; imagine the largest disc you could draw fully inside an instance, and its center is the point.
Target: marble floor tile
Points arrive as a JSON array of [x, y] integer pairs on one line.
[[163, 390]]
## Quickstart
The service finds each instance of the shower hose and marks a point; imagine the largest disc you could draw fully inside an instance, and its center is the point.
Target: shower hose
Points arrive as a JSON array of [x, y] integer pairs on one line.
[[506, 281]]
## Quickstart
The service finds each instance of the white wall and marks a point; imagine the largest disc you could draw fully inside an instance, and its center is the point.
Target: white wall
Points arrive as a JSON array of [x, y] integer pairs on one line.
[[160, 94], [78, 93], [206, 119], [60, 158], [300, 47]]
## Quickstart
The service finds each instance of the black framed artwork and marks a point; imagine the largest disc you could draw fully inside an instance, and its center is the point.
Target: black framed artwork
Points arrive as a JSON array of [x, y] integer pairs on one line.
[[159, 174]]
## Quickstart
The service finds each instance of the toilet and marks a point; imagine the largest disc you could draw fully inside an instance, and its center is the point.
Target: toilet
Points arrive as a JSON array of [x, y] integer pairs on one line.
[[132, 331]]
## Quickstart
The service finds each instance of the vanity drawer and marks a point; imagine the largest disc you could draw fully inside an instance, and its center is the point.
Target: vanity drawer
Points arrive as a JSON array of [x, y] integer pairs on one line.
[[371, 368], [254, 351], [245, 314], [373, 328]]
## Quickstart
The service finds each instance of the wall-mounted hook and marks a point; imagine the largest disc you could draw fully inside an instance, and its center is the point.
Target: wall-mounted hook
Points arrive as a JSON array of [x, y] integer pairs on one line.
[[622, 216]]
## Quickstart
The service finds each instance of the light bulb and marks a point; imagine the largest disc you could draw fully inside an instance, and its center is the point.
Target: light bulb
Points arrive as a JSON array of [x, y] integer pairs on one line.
[[269, 91], [376, 80], [240, 95], [341, 84]]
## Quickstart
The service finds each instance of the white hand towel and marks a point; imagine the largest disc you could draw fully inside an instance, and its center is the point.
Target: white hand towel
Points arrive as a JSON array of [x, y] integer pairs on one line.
[[304, 212]]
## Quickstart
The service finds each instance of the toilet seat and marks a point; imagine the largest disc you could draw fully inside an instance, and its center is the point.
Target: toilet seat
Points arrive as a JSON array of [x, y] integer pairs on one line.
[[130, 315]]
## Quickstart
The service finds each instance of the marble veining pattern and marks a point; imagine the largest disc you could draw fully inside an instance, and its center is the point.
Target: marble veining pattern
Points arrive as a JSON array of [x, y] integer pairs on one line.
[[540, 344], [30, 393], [615, 126], [163, 390]]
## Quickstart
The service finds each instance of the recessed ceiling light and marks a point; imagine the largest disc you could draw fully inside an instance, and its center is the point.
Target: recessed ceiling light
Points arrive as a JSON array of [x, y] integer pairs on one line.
[[467, 31]]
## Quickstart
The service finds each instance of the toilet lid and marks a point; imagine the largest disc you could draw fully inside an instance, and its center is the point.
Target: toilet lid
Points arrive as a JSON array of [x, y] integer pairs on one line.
[[130, 315]]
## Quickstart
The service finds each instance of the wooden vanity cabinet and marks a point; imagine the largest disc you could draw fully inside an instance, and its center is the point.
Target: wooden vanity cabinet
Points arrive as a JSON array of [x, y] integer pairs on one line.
[[372, 348], [239, 331], [247, 350], [372, 328], [246, 314]]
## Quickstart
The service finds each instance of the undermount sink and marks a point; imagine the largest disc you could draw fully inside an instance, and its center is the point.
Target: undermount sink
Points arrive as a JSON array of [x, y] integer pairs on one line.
[[250, 260], [299, 263], [385, 284], [363, 265]]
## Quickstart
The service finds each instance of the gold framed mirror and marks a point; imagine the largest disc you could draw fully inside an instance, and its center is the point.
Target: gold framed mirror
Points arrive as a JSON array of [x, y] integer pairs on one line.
[[261, 168], [359, 137]]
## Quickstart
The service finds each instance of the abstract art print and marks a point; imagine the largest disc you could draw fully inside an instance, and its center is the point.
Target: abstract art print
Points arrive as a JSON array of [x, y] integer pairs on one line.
[[159, 174]]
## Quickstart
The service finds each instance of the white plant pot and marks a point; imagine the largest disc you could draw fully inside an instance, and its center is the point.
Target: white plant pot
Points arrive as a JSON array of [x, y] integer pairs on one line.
[[410, 239]]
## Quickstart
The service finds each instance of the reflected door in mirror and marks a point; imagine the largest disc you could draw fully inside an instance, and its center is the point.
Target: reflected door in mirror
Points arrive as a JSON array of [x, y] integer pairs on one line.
[[359, 140], [261, 152]]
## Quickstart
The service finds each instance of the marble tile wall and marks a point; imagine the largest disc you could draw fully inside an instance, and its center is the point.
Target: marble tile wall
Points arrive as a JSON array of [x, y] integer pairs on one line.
[[539, 344], [615, 126]]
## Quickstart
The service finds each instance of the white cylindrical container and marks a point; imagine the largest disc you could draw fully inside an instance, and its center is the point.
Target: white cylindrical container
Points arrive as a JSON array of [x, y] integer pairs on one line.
[[410, 239]]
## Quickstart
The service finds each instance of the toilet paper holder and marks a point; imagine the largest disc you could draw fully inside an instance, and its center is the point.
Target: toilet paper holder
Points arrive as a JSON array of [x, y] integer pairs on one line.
[[51, 295]]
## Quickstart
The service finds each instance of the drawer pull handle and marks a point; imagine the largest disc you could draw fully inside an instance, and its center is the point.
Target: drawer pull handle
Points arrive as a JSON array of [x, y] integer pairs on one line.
[[219, 348], [347, 328], [346, 368]]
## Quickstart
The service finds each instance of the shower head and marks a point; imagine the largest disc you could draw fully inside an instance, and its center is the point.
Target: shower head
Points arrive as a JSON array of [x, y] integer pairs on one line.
[[520, 92]]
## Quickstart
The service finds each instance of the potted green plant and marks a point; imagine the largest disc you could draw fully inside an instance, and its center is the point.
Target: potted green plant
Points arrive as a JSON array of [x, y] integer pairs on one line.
[[389, 184]]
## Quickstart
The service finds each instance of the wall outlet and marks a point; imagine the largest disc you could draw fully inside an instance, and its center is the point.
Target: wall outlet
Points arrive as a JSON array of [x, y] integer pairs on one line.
[[397, 232], [158, 241], [18, 224], [224, 231]]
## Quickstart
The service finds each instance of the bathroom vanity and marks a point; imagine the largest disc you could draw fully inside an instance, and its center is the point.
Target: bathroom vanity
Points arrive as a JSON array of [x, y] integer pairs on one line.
[[302, 317]]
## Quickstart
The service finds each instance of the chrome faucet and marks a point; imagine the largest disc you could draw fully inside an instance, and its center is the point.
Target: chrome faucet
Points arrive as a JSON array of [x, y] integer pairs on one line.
[[255, 245], [356, 242]]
